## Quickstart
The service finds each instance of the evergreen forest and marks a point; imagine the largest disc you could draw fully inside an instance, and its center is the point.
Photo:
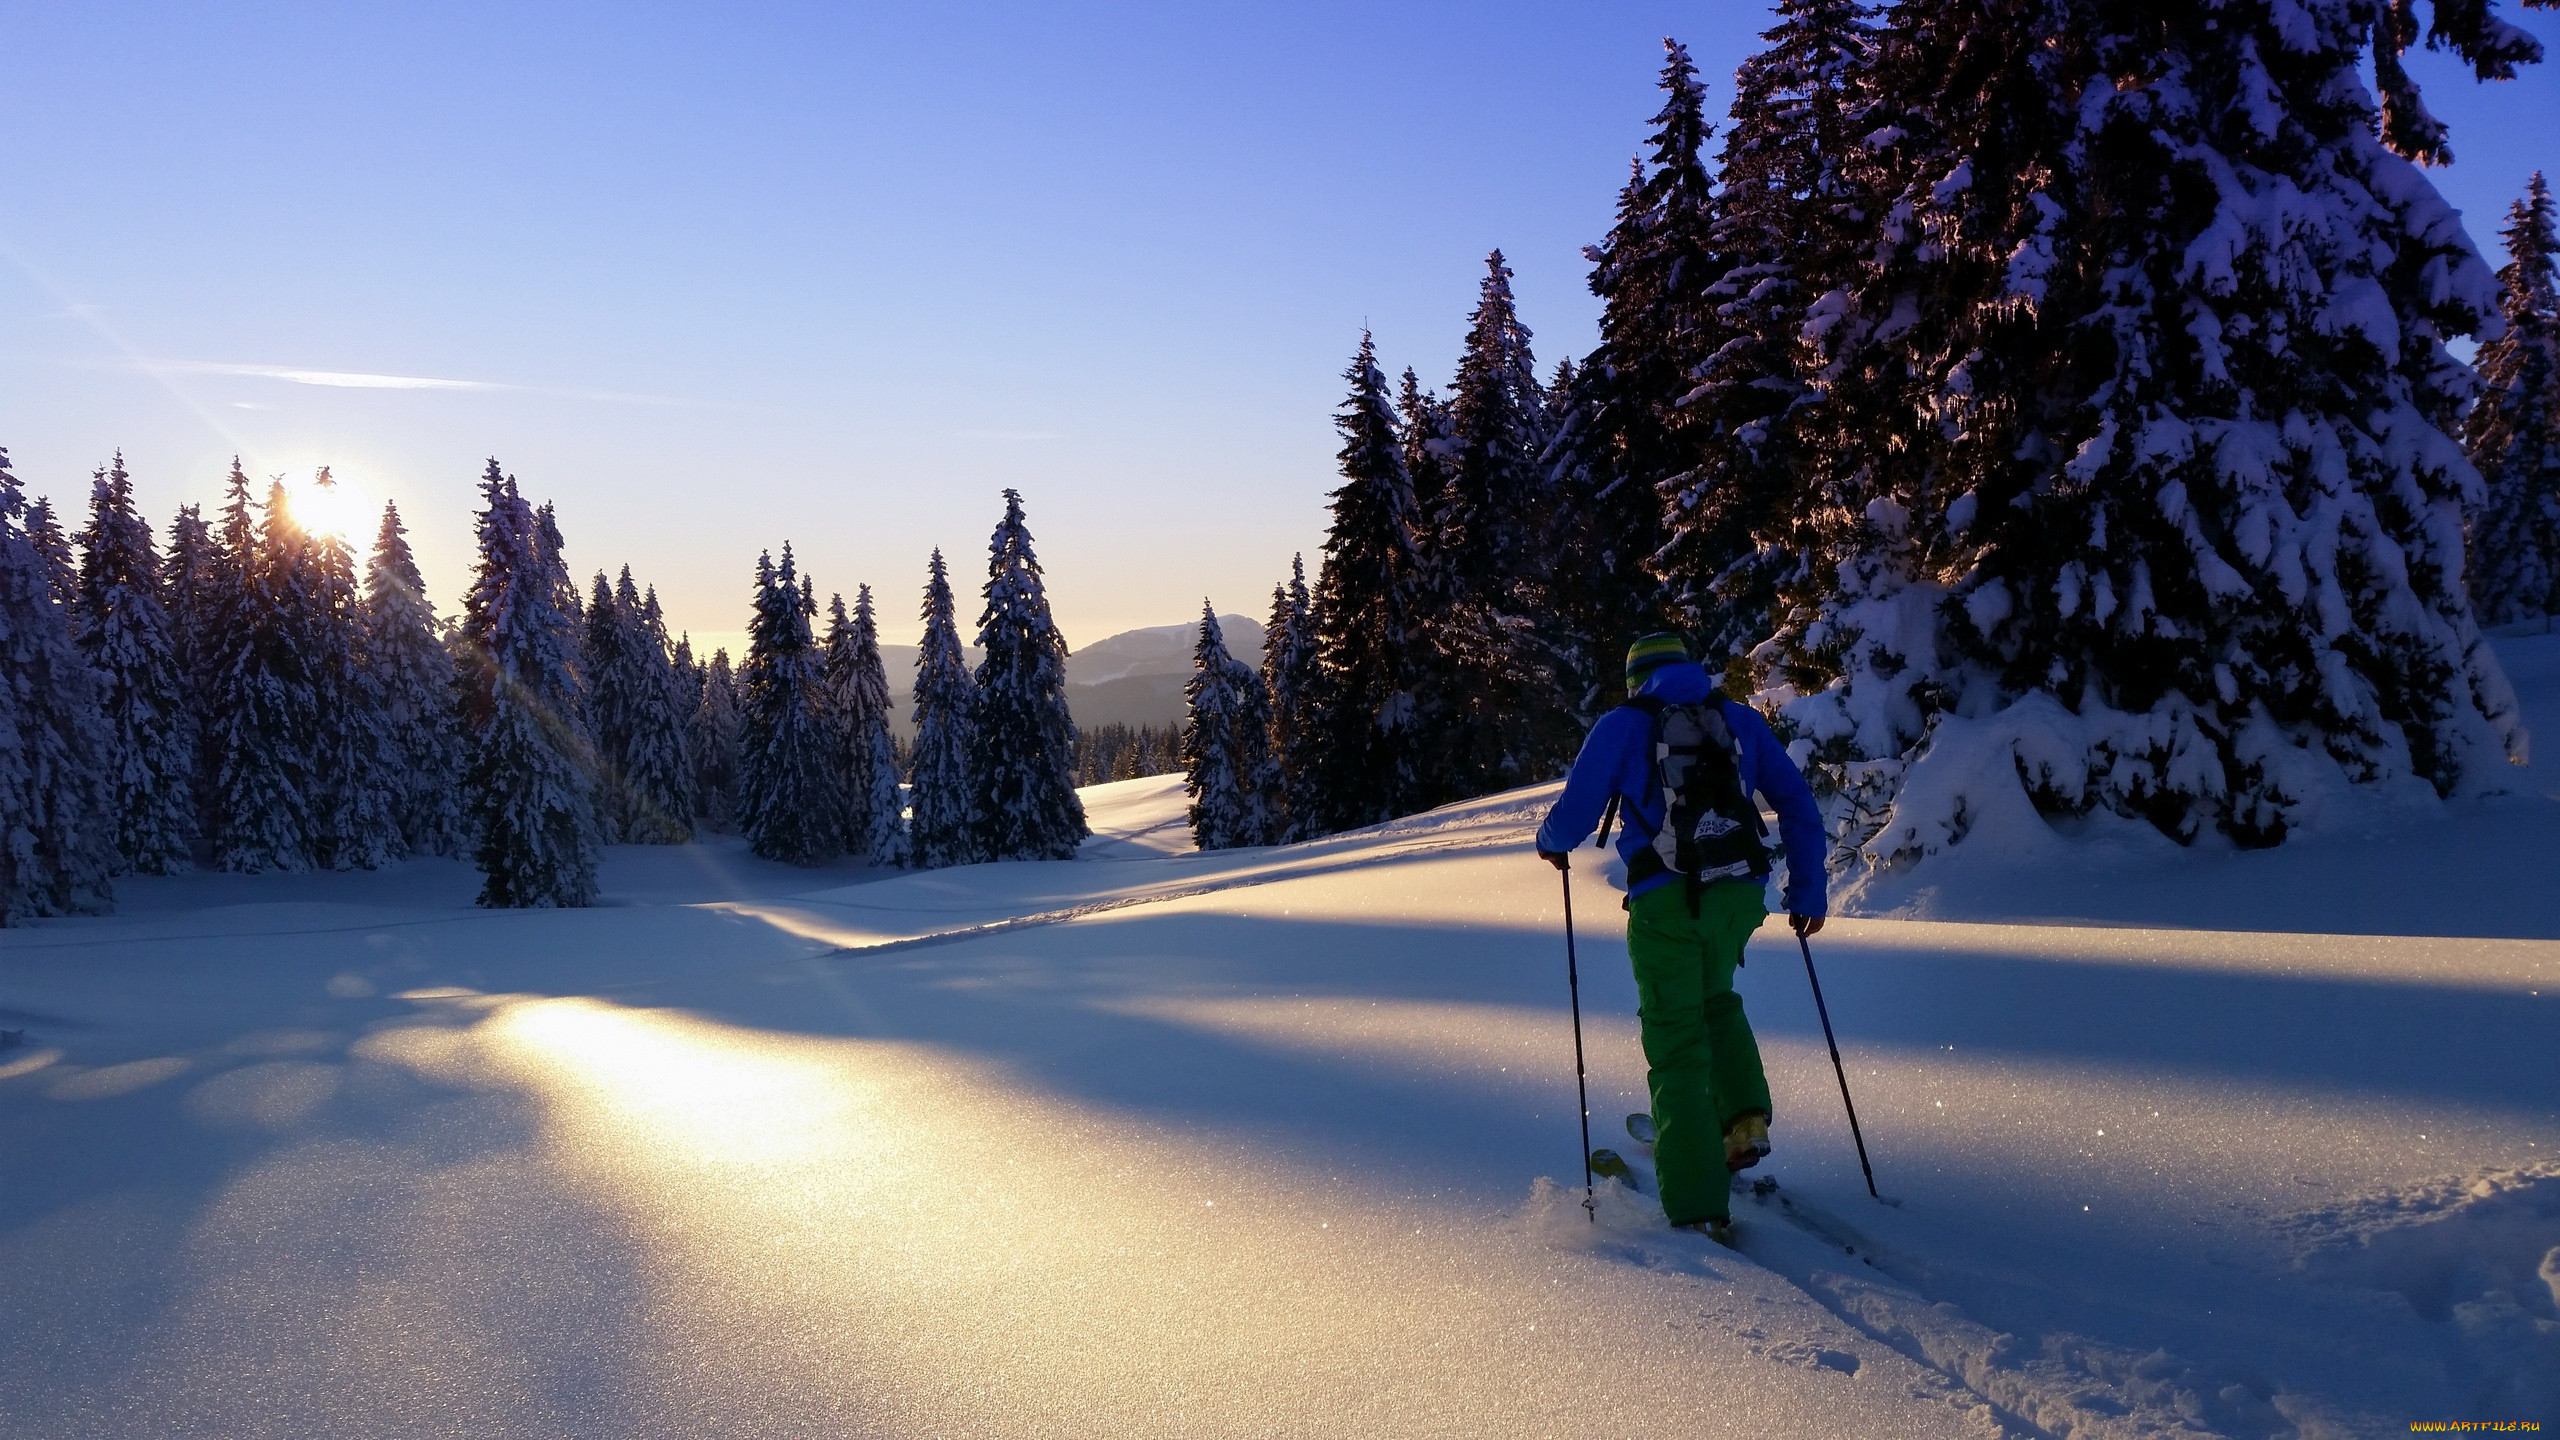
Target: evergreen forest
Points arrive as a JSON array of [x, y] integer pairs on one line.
[[2051, 404]]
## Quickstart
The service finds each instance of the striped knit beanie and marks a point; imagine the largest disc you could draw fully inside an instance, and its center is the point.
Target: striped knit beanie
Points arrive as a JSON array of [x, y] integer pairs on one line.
[[1653, 652]]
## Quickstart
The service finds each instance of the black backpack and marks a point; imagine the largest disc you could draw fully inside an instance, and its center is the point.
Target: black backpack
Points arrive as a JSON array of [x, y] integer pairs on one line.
[[1711, 829]]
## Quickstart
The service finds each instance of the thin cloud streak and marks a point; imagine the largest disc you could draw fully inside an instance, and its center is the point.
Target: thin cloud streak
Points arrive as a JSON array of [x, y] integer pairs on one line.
[[366, 380], [336, 379]]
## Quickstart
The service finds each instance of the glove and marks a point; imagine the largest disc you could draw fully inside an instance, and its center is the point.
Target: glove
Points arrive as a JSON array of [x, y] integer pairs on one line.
[[1555, 858]]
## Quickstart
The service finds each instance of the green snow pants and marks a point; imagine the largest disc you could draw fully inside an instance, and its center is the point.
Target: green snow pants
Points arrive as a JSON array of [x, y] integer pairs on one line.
[[1705, 1065]]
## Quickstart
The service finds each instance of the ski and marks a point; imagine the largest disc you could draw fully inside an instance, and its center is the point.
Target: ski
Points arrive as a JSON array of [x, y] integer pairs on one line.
[[1611, 1163], [1764, 1192], [1814, 1221]]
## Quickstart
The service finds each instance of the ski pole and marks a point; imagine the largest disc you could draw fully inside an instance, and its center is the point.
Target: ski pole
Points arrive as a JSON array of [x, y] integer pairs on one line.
[[1825, 1012], [1581, 1088]]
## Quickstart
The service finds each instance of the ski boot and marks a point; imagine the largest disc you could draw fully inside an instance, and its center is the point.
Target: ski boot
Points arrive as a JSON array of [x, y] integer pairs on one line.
[[1746, 1142], [1719, 1229]]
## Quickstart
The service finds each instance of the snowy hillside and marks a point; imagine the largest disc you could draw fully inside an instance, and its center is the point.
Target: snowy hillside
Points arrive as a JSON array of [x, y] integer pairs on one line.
[[1159, 650], [1134, 678], [1262, 1142]]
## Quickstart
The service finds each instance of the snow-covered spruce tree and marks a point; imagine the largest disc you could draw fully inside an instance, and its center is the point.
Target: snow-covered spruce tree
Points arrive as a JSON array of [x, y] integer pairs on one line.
[[2142, 495], [2513, 435], [607, 656], [192, 588], [1265, 819], [264, 707], [527, 783], [1223, 812], [1027, 805], [414, 678], [1790, 224], [715, 746], [1559, 393], [1492, 508], [788, 805], [1619, 443], [1425, 447], [57, 804], [836, 706], [866, 759], [942, 784], [354, 757], [688, 671], [1489, 692], [657, 765], [126, 635], [883, 840], [1289, 675], [1363, 751], [53, 549]]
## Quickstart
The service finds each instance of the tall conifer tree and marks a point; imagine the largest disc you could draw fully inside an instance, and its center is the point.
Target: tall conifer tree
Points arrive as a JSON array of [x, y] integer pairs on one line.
[[414, 679], [942, 786], [788, 805], [837, 704], [1224, 811], [53, 552], [715, 745], [528, 783], [1630, 449], [2513, 435], [57, 805], [1289, 676], [1488, 696], [2132, 461], [1027, 805], [657, 765], [193, 588], [1792, 221], [608, 655], [126, 634], [1365, 754], [265, 711], [1489, 519], [866, 758], [882, 840], [688, 670], [354, 757]]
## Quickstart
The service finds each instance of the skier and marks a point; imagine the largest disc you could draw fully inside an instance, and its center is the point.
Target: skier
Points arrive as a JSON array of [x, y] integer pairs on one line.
[[1681, 762]]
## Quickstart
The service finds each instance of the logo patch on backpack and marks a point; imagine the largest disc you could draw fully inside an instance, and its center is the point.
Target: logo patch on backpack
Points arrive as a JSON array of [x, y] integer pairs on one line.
[[1711, 827]]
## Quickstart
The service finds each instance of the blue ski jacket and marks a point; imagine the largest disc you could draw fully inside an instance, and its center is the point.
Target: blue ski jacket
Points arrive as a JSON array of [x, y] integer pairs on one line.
[[1617, 759]]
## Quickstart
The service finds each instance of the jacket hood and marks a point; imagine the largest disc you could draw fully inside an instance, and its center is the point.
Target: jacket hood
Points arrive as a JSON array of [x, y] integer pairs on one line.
[[1683, 682]]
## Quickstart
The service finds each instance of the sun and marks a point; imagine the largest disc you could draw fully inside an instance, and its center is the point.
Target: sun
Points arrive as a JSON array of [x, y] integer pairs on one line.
[[331, 505]]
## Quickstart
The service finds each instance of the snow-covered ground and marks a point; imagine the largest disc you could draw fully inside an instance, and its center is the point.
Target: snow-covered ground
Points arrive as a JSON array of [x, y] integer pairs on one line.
[[1282, 1142]]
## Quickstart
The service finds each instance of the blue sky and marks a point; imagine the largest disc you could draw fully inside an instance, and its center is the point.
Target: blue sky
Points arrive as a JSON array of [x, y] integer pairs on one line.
[[714, 278]]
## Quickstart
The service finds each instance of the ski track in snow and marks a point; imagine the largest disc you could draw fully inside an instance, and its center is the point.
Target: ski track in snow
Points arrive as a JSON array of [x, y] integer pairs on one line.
[[1175, 1144]]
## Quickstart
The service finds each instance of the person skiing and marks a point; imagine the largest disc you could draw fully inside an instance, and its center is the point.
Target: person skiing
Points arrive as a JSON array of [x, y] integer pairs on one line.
[[1681, 763]]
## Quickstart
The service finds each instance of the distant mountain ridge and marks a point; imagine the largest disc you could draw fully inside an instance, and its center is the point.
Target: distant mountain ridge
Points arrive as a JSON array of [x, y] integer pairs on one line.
[[1133, 678]]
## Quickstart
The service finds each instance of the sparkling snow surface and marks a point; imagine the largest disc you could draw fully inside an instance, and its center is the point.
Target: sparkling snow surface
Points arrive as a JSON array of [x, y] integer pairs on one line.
[[1265, 1142]]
